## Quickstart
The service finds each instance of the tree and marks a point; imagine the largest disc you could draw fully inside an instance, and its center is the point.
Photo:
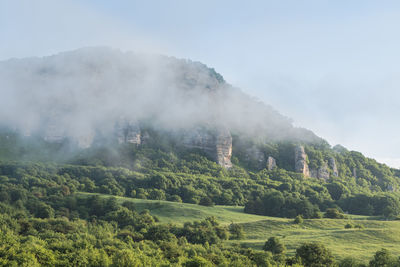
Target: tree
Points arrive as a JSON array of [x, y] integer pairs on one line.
[[236, 231], [315, 255], [206, 201], [44, 211], [197, 261], [333, 214], [349, 262], [382, 258], [126, 257], [298, 219], [275, 246], [273, 203], [336, 190], [159, 232]]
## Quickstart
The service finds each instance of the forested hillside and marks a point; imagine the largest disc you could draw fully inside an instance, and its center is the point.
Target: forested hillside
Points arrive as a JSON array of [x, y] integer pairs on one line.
[[173, 130]]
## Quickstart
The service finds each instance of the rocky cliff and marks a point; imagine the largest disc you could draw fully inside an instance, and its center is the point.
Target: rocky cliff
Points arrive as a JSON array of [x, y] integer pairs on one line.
[[255, 155], [300, 159], [217, 144], [323, 172], [271, 163], [333, 166], [53, 134], [200, 138], [128, 132], [223, 146]]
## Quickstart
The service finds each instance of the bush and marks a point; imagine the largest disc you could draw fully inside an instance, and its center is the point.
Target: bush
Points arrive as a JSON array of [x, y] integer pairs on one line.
[[175, 198], [315, 254], [333, 214], [206, 201], [275, 246], [197, 261], [348, 226], [382, 258], [236, 231], [359, 226], [349, 262], [298, 220]]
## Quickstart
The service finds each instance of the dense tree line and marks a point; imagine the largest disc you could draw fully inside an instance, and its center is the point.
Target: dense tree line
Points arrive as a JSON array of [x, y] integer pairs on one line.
[[274, 193], [116, 235], [43, 221], [163, 169]]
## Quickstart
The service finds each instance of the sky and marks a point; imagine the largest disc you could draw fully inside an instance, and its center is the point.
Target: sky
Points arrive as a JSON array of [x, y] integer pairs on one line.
[[332, 66]]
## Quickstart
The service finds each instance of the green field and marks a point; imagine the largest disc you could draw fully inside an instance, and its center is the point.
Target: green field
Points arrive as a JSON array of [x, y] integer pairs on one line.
[[178, 213], [358, 243]]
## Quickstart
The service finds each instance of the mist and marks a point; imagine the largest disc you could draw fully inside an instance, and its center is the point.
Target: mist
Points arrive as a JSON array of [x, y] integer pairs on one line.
[[79, 93]]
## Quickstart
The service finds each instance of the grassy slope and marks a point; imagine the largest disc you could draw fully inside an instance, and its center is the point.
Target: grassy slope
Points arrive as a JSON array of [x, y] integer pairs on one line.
[[178, 213], [361, 244]]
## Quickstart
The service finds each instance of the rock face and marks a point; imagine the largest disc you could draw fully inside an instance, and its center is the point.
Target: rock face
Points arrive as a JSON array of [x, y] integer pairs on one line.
[[223, 146], [332, 164], [300, 159], [53, 134], [314, 173], [271, 163], [323, 172], [128, 132], [201, 139], [391, 188], [216, 144]]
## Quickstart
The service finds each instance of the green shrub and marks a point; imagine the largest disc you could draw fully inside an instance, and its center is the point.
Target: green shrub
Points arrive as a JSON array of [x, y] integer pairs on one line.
[[359, 226], [275, 246], [298, 220], [236, 231], [349, 226], [315, 254], [333, 213]]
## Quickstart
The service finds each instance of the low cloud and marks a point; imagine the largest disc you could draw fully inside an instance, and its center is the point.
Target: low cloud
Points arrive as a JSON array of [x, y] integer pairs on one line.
[[78, 93]]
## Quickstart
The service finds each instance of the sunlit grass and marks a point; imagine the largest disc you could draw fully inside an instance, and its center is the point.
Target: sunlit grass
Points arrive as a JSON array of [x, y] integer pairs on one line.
[[358, 243]]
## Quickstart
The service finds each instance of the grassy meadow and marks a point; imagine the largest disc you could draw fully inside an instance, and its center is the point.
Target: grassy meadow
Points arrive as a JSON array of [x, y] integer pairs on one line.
[[357, 243]]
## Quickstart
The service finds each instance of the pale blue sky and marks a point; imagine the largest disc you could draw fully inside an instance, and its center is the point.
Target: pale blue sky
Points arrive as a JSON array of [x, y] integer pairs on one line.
[[332, 66]]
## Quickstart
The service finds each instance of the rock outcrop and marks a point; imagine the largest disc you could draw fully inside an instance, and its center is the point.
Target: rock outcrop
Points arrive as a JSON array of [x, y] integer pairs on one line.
[[391, 188], [128, 132], [200, 138], [354, 172], [333, 166], [323, 172], [255, 156], [54, 134], [217, 144], [300, 159], [223, 146], [271, 163], [314, 173]]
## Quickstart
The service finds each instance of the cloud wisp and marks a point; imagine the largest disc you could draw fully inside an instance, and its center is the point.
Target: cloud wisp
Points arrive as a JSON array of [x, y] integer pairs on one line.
[[76, 94]]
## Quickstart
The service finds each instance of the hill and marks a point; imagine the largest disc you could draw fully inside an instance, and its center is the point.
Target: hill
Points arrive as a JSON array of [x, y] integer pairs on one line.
[[171, 140]]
